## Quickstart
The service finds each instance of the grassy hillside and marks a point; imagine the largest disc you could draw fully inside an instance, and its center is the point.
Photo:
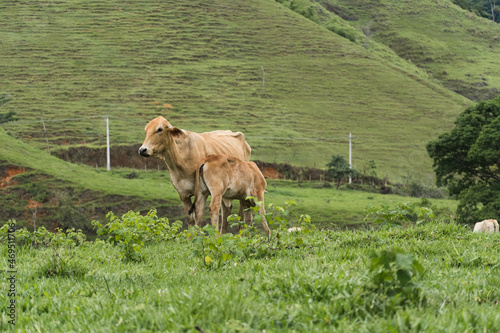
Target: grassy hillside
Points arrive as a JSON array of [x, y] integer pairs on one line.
[[455, 46], [134, 61]]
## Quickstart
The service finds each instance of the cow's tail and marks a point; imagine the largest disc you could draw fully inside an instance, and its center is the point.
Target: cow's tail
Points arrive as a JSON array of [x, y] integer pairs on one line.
[[197, 184], [191, 210]]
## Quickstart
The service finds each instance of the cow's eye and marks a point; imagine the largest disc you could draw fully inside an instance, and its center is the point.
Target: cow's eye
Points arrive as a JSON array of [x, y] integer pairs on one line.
[[159, 130]]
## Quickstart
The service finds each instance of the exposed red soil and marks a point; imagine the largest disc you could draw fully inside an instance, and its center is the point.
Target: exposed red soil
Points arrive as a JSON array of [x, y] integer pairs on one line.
[[8, 173]]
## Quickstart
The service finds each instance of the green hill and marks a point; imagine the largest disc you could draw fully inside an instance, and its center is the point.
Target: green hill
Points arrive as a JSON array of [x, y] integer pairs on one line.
[[455, 46], [80, 59]]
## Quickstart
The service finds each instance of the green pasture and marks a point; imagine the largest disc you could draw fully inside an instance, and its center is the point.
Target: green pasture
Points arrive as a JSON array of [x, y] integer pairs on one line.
[[325, 284], [341, 208]]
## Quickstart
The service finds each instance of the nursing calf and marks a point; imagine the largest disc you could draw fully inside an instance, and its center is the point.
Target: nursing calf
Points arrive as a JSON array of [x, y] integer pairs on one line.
[[227, 178]]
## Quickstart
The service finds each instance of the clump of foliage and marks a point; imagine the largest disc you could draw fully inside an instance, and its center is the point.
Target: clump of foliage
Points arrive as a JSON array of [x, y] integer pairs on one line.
[[339, 169], [132, 231], [61, 244], [342, 31], [216, 250], [304, 8], [393, 276], [404, 212], [62, 262], [6, 117], [370, 168], [43, 237], [316, 13], [466, 160]]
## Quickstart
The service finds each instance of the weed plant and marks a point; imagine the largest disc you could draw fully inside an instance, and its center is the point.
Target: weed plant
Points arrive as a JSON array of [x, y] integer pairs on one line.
[[216, 250], [132, 231]]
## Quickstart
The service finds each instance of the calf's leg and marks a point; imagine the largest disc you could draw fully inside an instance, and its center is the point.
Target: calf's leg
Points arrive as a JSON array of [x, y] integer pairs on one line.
[[227, 205], [262, 211], [215, 204]]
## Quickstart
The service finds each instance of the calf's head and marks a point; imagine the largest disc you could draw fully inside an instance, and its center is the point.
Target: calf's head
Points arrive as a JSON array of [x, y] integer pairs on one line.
[[159, 132]]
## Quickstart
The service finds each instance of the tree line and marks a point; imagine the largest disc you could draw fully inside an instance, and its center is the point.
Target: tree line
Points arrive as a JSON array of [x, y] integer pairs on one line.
[[467, 161], [484, 8]]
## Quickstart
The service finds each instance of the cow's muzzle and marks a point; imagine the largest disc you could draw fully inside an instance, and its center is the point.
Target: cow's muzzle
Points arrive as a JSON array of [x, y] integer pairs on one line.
[[143, 152]]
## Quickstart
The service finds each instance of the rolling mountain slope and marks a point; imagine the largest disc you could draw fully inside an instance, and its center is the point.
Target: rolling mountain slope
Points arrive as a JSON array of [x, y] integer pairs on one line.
[[455, 46], [78, 58]]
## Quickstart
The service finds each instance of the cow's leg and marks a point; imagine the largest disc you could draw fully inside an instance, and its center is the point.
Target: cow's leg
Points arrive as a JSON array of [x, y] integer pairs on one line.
[[247, 214], [215, 204], [187, 204], [262, 211], [241, 211], [227, 205], [199, 206]]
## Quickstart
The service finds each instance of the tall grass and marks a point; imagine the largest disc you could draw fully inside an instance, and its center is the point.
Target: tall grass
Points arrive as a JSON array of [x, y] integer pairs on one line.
[[326, 284]]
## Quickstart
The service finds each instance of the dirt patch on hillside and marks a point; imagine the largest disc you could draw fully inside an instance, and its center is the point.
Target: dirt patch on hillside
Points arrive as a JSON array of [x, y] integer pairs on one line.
[[7, 173]]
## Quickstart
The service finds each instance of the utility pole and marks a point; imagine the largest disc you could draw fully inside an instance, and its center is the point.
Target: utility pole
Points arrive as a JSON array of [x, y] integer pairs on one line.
[[46, 136], [350, 156], [108, 158], [263, 78]]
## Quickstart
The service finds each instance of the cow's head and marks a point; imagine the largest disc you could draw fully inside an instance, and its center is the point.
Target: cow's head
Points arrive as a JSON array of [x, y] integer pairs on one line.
[[159, 133]]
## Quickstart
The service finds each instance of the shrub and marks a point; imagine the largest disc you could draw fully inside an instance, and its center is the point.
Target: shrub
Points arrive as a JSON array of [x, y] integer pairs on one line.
[[343, 32], [339, 169], [216, 250], [62, 263], [406, 212], [394, 274], [133, 230], [44, 237]]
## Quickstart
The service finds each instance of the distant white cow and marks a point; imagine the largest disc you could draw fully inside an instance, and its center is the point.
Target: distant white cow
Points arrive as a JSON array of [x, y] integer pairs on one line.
[[486, 226]]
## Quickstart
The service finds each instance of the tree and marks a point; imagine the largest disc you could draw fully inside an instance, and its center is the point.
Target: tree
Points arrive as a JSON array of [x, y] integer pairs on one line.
[[467, 161], [484, 8], [493, 9], [339, 169]]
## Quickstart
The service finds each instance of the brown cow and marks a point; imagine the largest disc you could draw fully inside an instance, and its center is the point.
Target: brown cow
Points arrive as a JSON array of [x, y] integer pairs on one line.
[[184, 151], [227, 178]]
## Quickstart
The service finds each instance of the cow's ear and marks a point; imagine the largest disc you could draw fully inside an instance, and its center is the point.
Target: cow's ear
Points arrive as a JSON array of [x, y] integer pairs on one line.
[[166, 124], [176, 132]]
